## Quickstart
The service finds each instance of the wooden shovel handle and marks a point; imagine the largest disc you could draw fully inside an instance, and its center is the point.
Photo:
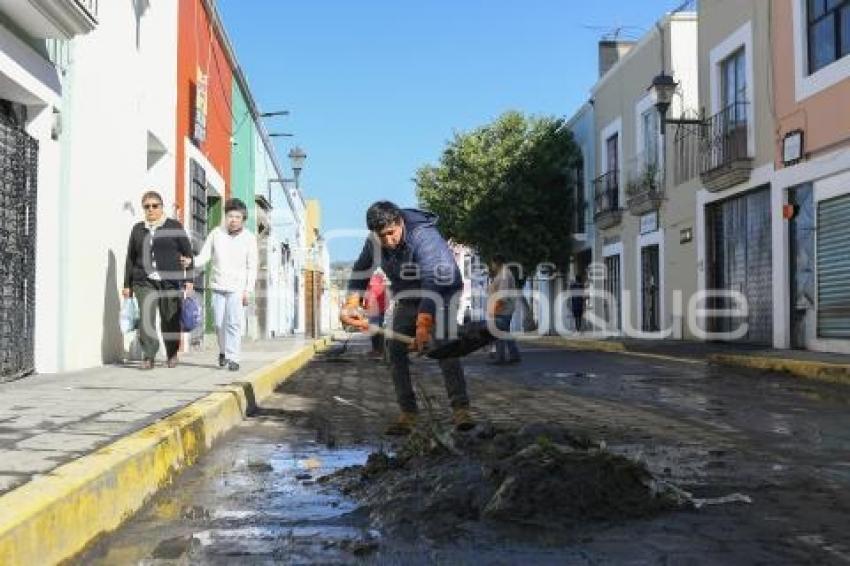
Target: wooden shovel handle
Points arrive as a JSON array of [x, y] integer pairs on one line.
[[390, 335]]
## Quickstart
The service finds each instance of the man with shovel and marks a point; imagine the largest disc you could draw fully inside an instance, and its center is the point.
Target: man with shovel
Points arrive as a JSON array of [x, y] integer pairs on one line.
[[424, 280]]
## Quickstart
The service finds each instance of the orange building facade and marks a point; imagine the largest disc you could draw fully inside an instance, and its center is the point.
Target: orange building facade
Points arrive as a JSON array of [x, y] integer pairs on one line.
[[811, 97], [204, 113]]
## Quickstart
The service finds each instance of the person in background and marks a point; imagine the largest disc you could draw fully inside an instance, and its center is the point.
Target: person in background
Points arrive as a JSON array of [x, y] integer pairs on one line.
[[154, 274], [577, 302], [376, 308], [500, 309], [233, 251]]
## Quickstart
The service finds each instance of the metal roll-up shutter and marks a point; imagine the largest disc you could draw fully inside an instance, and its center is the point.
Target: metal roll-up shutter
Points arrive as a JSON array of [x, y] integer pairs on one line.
[[833, 268]]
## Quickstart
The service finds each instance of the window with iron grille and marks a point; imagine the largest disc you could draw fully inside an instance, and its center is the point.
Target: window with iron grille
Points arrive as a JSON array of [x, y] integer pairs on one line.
[[18, 174], [828, 28]]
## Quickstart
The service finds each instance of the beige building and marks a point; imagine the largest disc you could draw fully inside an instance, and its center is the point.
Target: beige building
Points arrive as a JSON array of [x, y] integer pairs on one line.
[[735, 234], [640, 215]]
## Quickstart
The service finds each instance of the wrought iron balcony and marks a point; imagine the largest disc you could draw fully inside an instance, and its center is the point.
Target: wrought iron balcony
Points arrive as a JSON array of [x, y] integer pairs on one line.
[[726, 160], [606, 191], [644, 188]]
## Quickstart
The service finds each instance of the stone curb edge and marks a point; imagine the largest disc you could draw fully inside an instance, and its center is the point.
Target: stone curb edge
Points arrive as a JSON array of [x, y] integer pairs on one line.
[[820, 371], [55, 516]]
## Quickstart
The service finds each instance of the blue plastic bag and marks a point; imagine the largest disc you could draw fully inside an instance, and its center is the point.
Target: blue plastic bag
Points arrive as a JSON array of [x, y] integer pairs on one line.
[[129, 320], [190, 314]]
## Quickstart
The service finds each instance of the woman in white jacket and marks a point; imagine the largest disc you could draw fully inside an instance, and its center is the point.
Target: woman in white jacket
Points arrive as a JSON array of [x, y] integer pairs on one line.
[[233, 251]]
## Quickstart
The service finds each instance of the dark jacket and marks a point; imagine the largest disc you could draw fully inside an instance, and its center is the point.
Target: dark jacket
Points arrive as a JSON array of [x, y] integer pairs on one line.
[[169, 243], [577, 297], [423, 261]]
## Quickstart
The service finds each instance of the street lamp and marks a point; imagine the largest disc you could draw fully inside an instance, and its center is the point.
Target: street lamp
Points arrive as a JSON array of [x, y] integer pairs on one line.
[[661, 90], [297, 158]]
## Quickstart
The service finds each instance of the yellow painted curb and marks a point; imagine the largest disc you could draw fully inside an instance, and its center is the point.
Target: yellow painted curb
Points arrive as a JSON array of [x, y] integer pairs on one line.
[[586, 344], [53, 517], [823, 371]]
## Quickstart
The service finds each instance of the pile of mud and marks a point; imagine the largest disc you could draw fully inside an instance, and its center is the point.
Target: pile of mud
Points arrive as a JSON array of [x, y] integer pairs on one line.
[[538, 477]]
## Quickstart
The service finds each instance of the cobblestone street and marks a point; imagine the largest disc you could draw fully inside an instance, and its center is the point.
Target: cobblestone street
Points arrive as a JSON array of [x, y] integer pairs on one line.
[[713, 432]]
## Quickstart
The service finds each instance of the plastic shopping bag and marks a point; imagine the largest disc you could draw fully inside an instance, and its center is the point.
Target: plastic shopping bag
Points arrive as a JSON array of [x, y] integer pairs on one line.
[[129, 315], [190, 314]]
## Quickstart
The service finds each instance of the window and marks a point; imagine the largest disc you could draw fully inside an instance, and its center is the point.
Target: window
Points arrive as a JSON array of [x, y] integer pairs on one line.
[[828, 32], [580, 204], [612, 154], [734, 84], [649, 119], [734, 77]]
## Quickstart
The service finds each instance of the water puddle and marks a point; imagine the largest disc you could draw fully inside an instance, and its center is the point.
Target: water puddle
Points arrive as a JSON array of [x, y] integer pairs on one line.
[[254, 498]]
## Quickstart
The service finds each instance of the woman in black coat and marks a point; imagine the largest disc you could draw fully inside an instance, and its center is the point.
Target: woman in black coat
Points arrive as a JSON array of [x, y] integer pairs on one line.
[[152, 272]]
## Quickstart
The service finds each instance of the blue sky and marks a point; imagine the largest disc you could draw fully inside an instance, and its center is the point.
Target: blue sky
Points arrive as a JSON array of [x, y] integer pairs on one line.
[[376, 87]]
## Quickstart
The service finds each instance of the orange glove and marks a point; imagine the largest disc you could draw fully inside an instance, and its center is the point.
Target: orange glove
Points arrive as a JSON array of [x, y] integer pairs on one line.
[[424, 329], [352, 316], [494, 308]]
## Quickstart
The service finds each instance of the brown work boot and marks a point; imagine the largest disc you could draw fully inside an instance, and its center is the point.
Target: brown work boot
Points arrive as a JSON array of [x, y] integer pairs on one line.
[[462, 419], [403, 425]]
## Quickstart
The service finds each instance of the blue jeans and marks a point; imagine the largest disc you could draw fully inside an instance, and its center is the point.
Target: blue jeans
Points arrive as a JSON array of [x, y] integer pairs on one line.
[[506, 349]]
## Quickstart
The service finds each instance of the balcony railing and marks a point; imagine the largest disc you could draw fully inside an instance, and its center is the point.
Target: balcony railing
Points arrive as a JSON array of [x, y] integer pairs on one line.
[[606, 191], [687, 162], [726, 160], [644, 185]]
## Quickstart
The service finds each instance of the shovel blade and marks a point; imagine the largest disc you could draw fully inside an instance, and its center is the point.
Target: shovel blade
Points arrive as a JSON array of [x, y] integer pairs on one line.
[[471, 337]]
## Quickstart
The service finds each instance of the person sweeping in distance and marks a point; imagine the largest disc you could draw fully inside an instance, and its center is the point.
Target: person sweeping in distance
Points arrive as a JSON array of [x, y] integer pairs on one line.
[[420, 266]]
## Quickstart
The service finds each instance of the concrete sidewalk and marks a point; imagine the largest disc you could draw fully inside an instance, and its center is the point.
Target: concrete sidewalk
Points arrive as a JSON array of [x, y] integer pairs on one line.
[[85, 451], [49, 420], [800, 363]]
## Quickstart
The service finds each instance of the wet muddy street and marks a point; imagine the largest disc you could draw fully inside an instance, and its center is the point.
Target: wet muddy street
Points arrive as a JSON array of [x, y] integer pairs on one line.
[[777, 449]]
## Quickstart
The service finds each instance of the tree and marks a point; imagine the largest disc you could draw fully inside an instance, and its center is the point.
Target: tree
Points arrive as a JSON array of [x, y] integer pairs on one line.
[[507, 188]]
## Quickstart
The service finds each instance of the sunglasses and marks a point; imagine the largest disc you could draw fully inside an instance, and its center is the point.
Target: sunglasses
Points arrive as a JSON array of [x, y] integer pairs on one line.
[[151, 206]]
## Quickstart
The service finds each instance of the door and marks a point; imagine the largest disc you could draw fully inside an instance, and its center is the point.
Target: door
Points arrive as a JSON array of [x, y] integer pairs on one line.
[[214, 210], [739, 254], [198, 226], [833, 265], [296, 293], [801, 244], [612, 185], [650, 278], [18, 173], [262, 288], [734, 119], [612, 292]]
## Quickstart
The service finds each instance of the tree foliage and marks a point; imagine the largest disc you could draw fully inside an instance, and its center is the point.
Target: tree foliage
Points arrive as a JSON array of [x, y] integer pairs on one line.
[[507, 188]]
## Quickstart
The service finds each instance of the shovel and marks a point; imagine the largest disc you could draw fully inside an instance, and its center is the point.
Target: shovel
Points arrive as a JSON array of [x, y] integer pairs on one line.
[[471, 337]]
